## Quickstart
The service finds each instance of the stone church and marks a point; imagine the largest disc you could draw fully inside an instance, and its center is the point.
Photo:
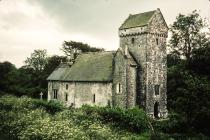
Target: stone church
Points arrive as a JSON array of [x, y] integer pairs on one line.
[[134, 75]]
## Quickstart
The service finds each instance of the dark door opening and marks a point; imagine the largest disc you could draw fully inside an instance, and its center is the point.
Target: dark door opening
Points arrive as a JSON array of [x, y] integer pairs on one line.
[[156, 110]]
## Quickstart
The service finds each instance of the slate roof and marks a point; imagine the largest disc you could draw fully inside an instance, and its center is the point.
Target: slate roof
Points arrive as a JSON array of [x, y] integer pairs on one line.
[[58, 73], [137, 20], [87, 67]]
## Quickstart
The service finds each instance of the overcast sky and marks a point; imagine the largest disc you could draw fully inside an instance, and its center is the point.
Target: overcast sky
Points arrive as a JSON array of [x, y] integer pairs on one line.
[[26, 25]]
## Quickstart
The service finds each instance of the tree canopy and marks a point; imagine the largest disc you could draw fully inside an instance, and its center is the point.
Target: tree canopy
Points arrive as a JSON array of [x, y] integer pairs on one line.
[[73, 48], [187, 34], [188, 79], [38, 60]]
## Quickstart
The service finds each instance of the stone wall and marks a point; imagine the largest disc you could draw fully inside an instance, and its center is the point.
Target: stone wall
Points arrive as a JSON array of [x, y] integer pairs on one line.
[[147, 44], [124, 79], [138, 49], [79, 93], [156, 65], [119, 80], [131, 84]]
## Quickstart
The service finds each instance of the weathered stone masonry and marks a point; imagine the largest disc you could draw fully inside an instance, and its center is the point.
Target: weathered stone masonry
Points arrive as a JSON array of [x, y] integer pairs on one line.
[[79, 93], [134, 75], [147, 45]]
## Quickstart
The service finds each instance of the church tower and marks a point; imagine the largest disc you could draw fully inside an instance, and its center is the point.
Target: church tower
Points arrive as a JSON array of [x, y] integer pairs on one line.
[[141, 64]]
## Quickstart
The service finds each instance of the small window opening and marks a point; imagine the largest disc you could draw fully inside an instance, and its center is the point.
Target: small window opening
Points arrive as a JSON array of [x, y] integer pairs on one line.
[[119, 88], [55, 94], [157, 89], [132, 40], [66, 97], [52, 85], [108, 103], [94, 98], [157, 41], [156, 110], [67, 86]]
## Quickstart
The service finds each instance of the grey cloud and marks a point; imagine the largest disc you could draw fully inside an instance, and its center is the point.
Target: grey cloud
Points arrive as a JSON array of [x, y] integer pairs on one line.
[[91, 16]]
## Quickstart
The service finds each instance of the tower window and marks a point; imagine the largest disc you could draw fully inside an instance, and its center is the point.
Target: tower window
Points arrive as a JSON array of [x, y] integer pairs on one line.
[[66, 97], [157, 89], [156, 110], [67, 86], [55, 94], [94, 98], [157, 41], [109, 103], [118, 88], [132, 40]]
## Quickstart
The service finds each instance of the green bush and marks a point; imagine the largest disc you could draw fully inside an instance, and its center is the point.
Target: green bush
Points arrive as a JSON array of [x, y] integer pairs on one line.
[[133, 119], [172, 125], [26, 118], [51, 106], [160, 136]]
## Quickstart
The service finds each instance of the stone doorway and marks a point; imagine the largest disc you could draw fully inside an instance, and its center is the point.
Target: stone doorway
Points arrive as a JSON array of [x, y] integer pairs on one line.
[[156, 110]]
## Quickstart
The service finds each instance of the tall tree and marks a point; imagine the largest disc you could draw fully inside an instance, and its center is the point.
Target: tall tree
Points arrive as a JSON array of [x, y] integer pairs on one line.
[[37, 61], [187, 35], [52, 63], [7, 76], [72, 48]]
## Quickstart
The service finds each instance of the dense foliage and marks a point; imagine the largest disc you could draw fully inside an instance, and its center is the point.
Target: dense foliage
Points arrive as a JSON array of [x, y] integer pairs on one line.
[[70, 46], [188, 85], [30, 79], [187, 34], [26, 118]]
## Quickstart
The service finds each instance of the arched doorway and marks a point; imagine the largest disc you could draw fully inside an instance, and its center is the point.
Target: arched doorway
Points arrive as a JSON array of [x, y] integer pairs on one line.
[[156, 110]]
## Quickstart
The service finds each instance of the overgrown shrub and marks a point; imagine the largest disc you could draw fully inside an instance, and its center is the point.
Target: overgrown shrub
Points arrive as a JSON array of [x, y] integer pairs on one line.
[[133, 119], [52, 106], [25, 118]]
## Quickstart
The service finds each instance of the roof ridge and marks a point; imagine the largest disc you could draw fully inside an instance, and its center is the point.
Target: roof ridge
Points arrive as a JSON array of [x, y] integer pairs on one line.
[[142, 13], [137, 20], [98, 52]]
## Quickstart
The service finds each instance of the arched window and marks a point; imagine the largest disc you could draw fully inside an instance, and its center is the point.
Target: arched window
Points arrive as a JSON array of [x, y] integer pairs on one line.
[[156, 110]]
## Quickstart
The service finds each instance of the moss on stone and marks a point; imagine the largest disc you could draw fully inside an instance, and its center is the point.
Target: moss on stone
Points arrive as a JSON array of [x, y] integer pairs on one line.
[[137, 20], [87, 67]]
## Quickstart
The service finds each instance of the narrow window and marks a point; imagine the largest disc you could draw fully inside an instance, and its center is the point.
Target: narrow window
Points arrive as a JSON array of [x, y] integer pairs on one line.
[[156, 110], [132, 40], [94, 98], [55, 93], [157, 41], [67, 86], [126, 50], [108, 103], [66, 97], [157, 89], [119, 87]]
